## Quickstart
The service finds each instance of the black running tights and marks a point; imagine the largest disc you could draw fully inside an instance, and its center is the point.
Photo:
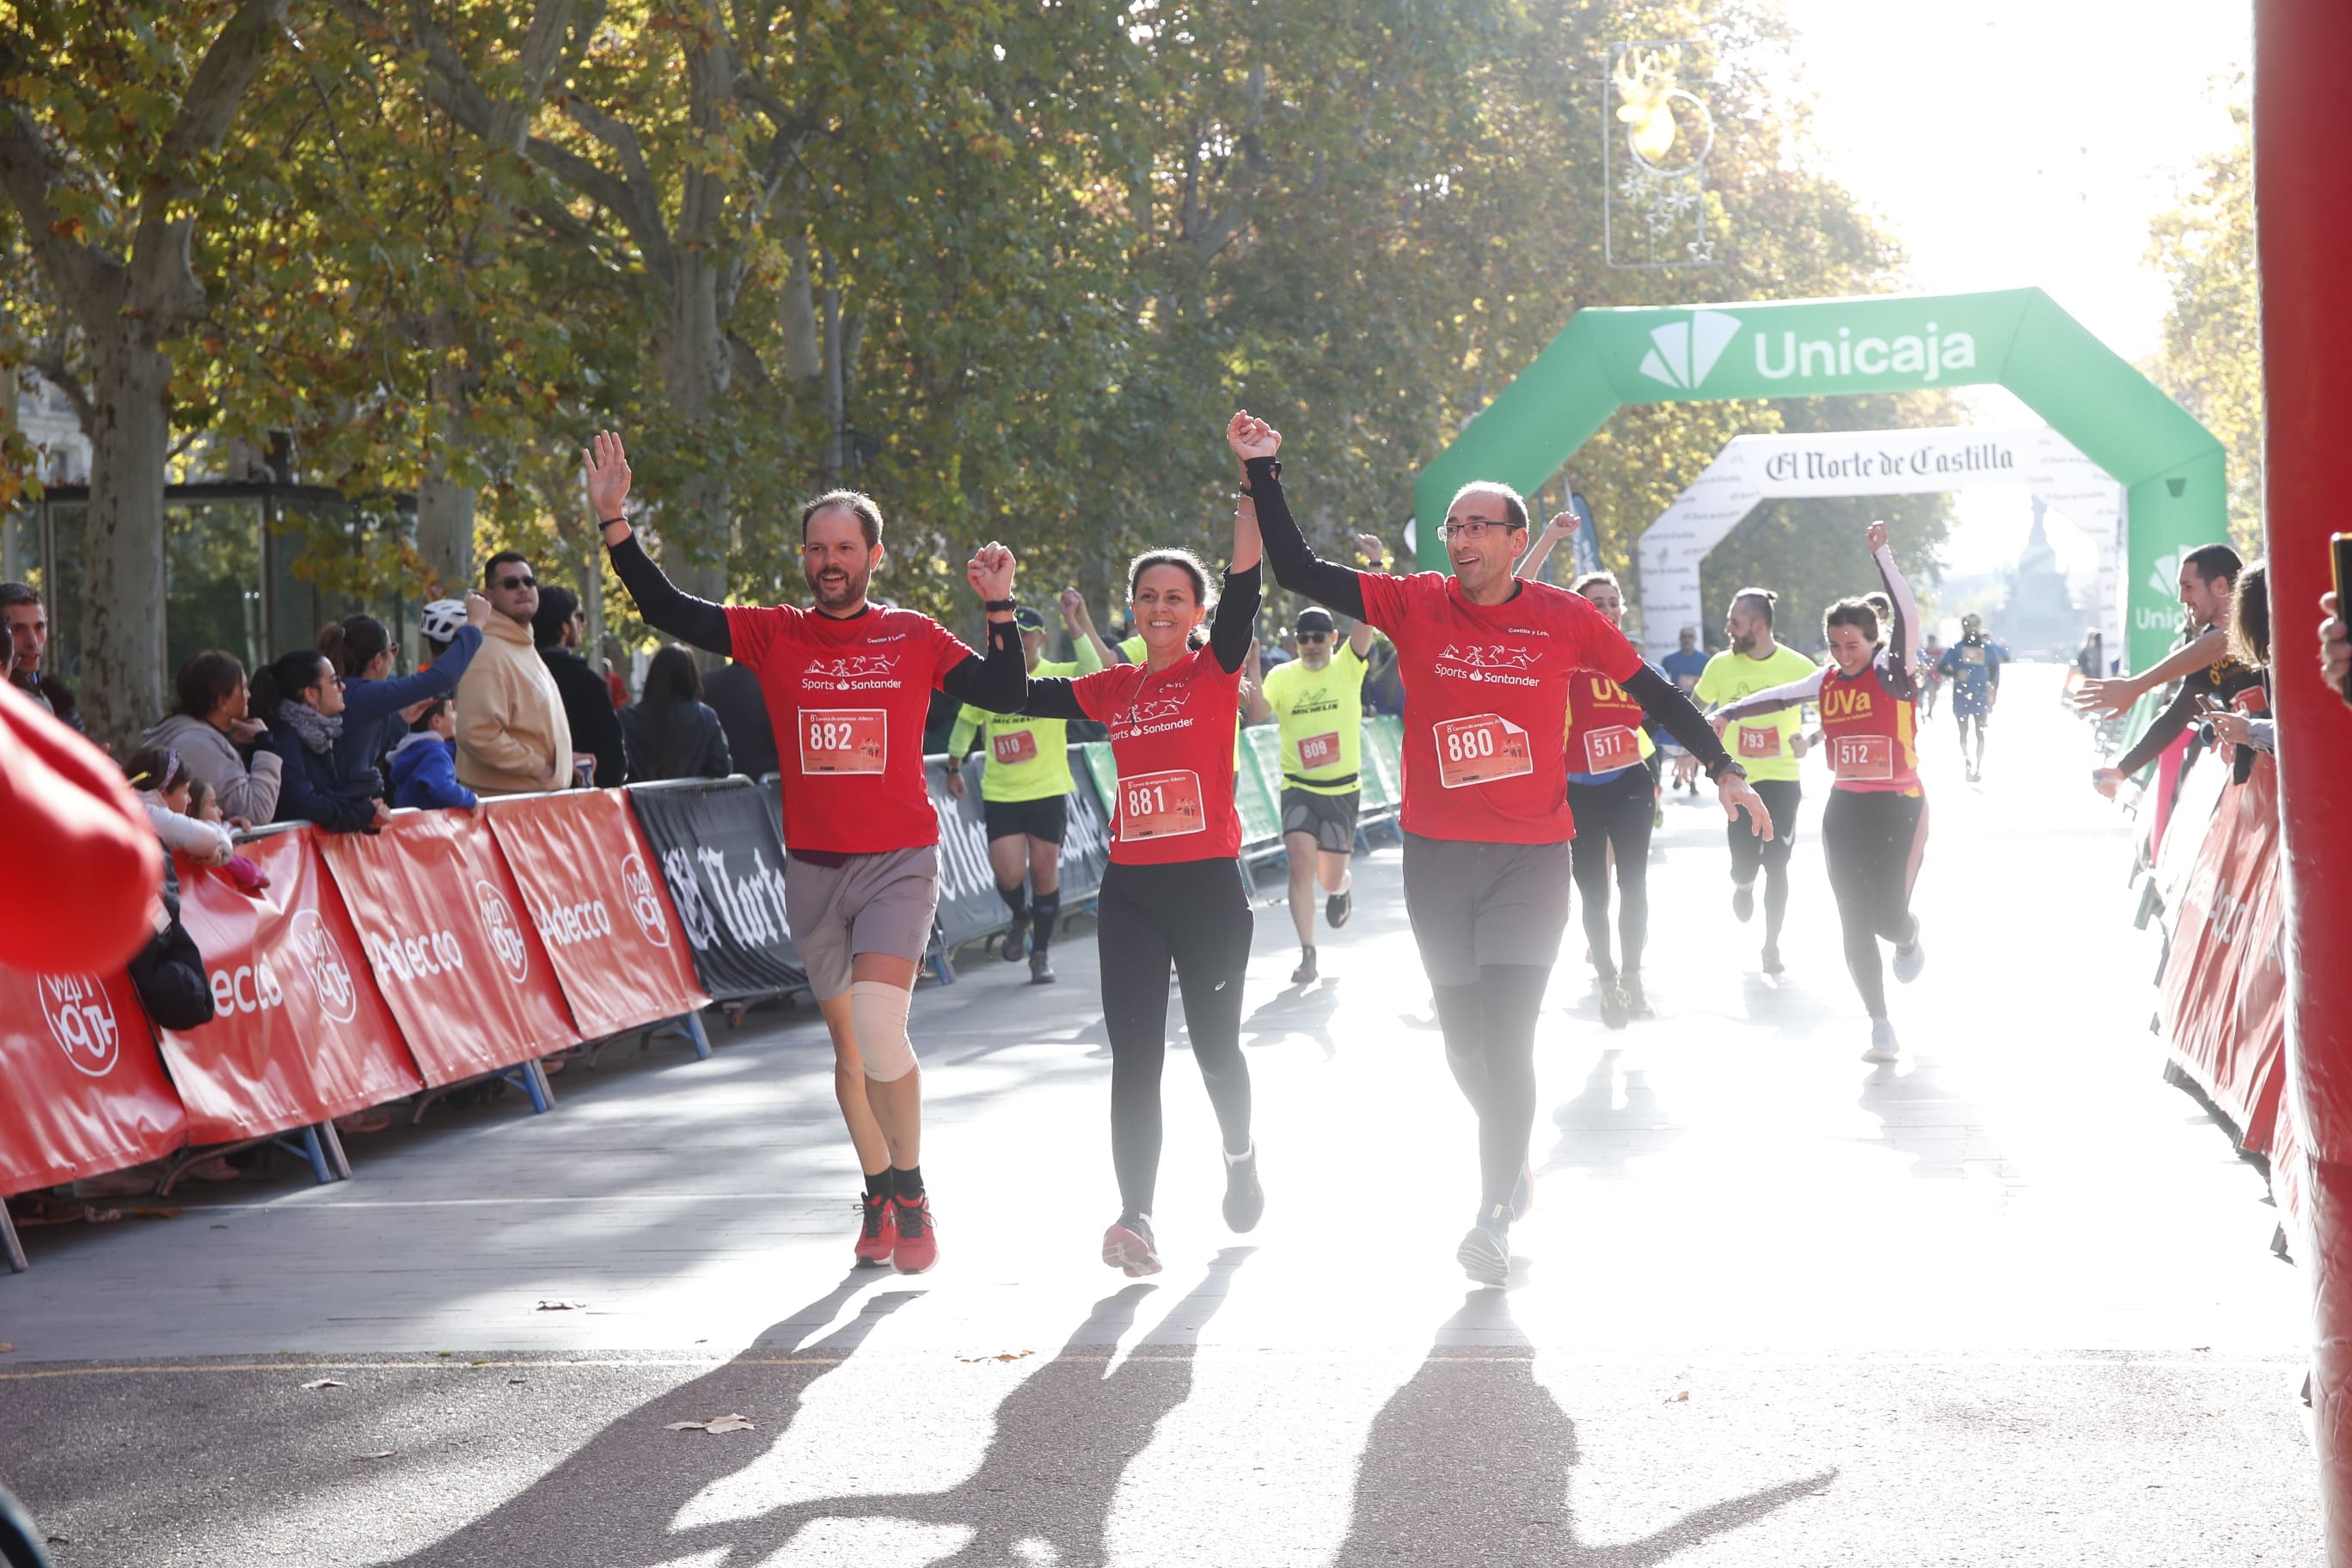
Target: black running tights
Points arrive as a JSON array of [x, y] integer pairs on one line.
[[1490, 1047], [1195, 915], [1872, 840], [1613, 816]]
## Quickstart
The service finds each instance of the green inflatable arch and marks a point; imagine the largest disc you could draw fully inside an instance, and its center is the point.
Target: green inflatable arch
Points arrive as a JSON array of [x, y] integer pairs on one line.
[[2169, 464]]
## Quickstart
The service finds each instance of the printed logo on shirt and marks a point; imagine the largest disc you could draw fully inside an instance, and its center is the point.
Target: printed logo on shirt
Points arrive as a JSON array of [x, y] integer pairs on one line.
[[322, 961], [1151, 718], [1843, 702], [1488, 662], [852, 672], [499, 925], [80, 1017]]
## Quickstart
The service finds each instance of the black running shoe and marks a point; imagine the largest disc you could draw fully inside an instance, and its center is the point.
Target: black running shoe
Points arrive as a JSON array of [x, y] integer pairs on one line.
[[1305, 972], [1772, 964], [1016, 942], [1244, 1199], [1041, 973], [1339, 907], [1612, 1005], [1636, 1003]]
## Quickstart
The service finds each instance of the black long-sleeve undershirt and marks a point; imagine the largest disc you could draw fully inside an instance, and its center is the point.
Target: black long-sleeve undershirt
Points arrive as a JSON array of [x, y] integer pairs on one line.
[[994, 682], [1296, 565], [1670, 705], [1232, 625]]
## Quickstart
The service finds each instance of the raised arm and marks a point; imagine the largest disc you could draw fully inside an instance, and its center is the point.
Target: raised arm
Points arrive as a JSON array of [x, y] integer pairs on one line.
[[1561, 526], [1295, 567], [998, 682], [1086, 645], [1903, 640], [2119, 693], [1233, 629], [696, 622]]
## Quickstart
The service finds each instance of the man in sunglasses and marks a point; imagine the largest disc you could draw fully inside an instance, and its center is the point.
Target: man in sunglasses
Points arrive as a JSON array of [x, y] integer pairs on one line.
[[512, 736], [1319, 701], [1486, 657]]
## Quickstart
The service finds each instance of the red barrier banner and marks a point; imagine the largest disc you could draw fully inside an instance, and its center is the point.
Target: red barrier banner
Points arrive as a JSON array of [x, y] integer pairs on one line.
[[601, 909], [299, 1031], [85, 1092], [442, 923], [2224, 981]]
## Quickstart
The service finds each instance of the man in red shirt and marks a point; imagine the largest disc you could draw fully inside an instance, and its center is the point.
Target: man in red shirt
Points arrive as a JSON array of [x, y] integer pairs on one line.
[[1486, 657], [848, 685]]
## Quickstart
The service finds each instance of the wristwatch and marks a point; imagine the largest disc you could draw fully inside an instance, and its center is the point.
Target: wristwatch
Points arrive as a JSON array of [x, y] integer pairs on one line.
[[1003, 606], [1715, 775]]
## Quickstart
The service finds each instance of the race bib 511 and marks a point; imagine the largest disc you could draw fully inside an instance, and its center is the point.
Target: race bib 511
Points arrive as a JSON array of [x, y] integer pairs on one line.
[[843, 740], [1481, 748], [1606, 751]]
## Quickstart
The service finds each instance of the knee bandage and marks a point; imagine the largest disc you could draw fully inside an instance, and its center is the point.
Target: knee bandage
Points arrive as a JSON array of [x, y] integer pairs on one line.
[[877, 1016]]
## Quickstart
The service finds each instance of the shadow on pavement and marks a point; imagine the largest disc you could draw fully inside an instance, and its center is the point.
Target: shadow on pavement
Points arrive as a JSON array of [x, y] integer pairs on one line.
[[1469, 1463], [1944, 1134], [1597, 1135], [1061, 1440]]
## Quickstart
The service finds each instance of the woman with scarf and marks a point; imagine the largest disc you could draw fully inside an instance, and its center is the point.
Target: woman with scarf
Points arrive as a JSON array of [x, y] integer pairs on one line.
[[300, 697]]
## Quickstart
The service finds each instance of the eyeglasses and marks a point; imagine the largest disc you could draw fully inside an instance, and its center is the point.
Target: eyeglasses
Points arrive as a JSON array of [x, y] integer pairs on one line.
[[510, 584], [1477, 527], [1314, 636], [579, 617]]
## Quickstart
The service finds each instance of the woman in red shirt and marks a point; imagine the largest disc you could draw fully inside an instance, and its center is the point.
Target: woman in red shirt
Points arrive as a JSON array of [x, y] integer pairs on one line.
[[1874, 828], [1174, 892]]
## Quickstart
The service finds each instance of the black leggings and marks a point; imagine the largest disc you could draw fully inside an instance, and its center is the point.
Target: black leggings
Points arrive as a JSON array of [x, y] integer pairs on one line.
[[1490, 1047], [1749, 852], [1874, 840], [1614, 816], [1195, 914]]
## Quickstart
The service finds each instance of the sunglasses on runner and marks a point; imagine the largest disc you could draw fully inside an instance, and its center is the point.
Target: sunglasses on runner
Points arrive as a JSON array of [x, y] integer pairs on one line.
[[510, 584]]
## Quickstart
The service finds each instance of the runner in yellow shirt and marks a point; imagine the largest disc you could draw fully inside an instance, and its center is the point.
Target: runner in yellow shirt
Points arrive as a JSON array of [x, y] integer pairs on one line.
[[1025, 787], [1768, 746], [1319, 701]]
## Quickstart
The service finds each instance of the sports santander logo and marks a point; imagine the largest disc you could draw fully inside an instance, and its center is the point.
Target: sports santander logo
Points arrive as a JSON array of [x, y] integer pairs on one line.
[[644, 904], [505, 932], [80, 1017]]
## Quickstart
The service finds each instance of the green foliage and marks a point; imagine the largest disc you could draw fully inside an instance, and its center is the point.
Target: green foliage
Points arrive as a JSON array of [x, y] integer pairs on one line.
[[2211, 359]]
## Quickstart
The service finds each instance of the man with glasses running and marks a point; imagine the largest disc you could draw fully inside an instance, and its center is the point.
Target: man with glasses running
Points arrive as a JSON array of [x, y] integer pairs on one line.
[[1485, 658]]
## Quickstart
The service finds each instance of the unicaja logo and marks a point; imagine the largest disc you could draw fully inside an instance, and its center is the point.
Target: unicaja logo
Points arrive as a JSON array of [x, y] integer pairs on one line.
[[499, 925], [2165, 575], [80, 1017], [1683, 353]]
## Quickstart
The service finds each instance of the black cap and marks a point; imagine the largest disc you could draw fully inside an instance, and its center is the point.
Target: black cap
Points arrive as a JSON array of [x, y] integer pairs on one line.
[[1028, 620], [1314, 618]]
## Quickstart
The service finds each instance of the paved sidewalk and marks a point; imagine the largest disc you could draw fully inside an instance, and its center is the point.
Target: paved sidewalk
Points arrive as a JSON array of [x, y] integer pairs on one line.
[[2010, 1301]]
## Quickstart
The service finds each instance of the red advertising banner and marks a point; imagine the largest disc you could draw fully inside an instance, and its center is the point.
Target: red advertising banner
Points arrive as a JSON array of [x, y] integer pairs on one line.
[[442, 924], [85, 1091], [600, 909], [299, 1031], [2224, 981]]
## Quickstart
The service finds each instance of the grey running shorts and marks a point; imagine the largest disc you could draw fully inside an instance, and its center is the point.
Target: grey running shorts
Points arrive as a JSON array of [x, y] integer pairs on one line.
[[869, 903], [1472, 904], [1331, 818]]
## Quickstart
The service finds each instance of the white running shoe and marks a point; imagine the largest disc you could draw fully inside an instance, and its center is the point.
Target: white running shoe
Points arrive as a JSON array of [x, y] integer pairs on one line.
[[1910, 958], [1485, 1251], [1884, 1047]]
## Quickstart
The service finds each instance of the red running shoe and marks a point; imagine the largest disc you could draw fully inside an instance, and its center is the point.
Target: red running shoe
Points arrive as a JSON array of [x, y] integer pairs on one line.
[[918, 1245], [1129, 1244], [879, 1235]]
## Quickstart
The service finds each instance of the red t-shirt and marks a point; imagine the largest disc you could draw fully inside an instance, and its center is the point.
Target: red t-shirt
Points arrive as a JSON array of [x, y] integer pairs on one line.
[[1485, 687], [1869, 733], [1604, 725], [1171, 733], [848, 699]]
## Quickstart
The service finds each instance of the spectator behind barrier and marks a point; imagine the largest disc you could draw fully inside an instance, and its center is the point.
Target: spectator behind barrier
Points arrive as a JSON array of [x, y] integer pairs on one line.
[[512, 736], [361, 647], [301, 698], [425, 764], [162, 782], [2250, 642], [732, 692], [557, 627], [2336, 647], [438, 625], [211, 728], [673, 734], [28, 638], [204, 806]]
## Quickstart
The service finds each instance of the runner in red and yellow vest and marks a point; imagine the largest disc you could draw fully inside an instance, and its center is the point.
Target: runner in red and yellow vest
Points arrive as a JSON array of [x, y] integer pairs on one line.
[[1172, 892], [848, 685], [1875, 825], [1615, 797], [1486, 659]]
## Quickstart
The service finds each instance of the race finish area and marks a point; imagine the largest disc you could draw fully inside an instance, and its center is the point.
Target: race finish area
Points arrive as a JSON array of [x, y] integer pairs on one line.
[[2008, 1301]]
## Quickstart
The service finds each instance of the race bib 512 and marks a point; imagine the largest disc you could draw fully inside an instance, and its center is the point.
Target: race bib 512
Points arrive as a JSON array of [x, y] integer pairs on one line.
[[1862, 756]]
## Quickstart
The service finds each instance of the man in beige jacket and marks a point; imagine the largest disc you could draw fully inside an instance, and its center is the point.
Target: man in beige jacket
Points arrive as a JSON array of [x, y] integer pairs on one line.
[[512, 737]]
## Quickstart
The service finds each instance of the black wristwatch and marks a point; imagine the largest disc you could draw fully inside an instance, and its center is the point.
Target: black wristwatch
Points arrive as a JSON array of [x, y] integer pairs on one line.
[[994, 605], [1715, 773]]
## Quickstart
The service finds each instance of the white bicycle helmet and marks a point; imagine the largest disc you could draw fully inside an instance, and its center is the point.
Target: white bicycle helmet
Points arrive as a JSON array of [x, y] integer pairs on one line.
[[442, 618]]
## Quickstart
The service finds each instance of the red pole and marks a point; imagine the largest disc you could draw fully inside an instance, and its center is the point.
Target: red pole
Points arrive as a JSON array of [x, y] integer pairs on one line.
[[2303, 123]]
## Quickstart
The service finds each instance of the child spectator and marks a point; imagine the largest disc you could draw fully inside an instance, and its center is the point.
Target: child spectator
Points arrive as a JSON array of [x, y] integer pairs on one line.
[[163, 783], [425, 764], [204, 806]]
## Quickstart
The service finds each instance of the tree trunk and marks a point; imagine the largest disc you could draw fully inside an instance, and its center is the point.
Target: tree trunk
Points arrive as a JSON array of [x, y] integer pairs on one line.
[[445, 508], [122, 537], [695, 370]]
